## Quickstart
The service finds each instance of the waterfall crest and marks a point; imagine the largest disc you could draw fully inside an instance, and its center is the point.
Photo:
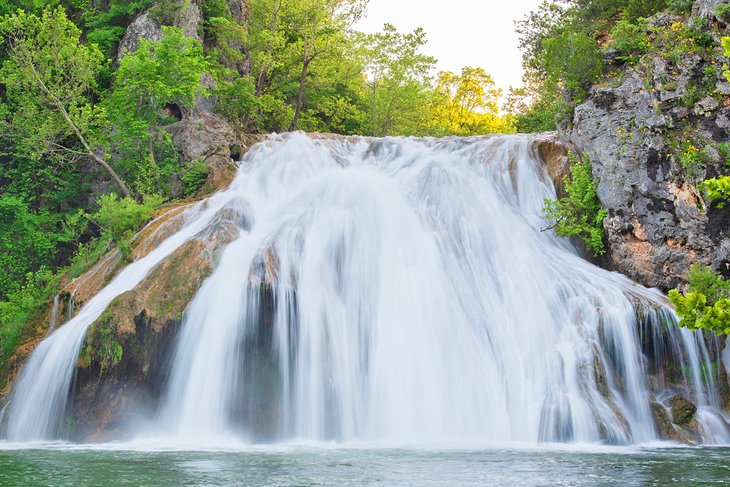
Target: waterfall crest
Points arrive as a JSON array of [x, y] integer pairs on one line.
[[397, 289]]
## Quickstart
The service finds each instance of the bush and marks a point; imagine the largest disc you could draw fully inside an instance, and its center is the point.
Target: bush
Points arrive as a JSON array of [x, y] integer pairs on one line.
[[118, 219], [630, 40], [691, 159], [718, 190], [707, 303], [27, 241], [580, 213], [193, 176], [20, 306]]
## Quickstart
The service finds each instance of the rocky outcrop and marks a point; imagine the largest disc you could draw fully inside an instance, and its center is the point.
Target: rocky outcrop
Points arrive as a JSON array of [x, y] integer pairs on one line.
[[683, 411], [633, 129], [200, 134], [208, 137], [554, 153], [185, 15], [122, 367]]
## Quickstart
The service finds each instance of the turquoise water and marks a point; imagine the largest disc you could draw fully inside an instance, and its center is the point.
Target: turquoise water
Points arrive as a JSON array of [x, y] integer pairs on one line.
[[300, 466]]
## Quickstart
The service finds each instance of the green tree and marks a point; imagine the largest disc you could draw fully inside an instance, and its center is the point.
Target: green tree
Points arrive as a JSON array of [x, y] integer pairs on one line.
[[49, 78], [317, 26], [157, 75], [398, 81]]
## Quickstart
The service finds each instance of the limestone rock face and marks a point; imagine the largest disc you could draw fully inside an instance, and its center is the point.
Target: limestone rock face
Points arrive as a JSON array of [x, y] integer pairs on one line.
[[148, 25], [658, 222]]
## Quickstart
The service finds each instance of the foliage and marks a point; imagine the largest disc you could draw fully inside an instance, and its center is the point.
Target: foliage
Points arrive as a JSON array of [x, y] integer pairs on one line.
[[106, 22], [726, 51], [691, 159], [630, 40], [48, 77], [397, 74], [723, 149], [532, 111], [194, 176], [707, 303], [718, 190], [466, 104], [25, 243], [579, 214], [20, 306], [118, 219]]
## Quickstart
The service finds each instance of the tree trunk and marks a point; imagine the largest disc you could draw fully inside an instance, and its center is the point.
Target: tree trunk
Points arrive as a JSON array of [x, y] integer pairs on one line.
[[89, 151], [300, 95]]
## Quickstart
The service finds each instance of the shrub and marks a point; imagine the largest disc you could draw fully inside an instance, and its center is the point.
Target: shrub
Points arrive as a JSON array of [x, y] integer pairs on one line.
[[579, 214], [118, 219], [193, 176], [27, 241], [691, 159], [707, 303], [718, 190], [630, 40]]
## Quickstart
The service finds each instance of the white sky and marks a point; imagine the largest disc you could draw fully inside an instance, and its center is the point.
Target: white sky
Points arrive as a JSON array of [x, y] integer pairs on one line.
[[478, 33]]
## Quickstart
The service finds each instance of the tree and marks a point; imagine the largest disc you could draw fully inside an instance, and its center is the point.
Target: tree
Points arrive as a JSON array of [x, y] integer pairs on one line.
[[49, 78], [318, 26], [467, 104], [398, 82], [157, 75]]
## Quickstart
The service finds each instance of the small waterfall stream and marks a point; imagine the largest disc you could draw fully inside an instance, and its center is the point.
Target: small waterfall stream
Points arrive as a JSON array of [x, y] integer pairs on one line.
[[400, 290]]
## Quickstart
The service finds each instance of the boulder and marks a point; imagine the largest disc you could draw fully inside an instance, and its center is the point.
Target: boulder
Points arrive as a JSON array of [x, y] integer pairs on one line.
[[148, 25], [683, 411]]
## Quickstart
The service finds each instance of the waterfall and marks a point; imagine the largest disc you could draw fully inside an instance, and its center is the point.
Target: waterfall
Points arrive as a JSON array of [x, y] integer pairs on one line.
[[401, 290], [38, 402]]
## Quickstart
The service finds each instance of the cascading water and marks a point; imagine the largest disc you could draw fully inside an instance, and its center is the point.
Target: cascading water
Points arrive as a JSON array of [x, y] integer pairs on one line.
[[400, 290], [39, 399]]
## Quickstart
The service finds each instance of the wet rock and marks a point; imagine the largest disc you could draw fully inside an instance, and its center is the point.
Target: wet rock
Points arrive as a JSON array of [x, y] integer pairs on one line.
[[683, 411], [554, 153], [123, 364], [663, 424]]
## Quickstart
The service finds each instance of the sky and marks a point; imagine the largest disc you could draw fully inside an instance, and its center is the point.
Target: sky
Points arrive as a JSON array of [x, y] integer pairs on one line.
[[478, 33]]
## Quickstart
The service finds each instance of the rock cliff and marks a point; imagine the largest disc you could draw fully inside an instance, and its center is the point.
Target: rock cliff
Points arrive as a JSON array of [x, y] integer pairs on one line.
[[653, 134]]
